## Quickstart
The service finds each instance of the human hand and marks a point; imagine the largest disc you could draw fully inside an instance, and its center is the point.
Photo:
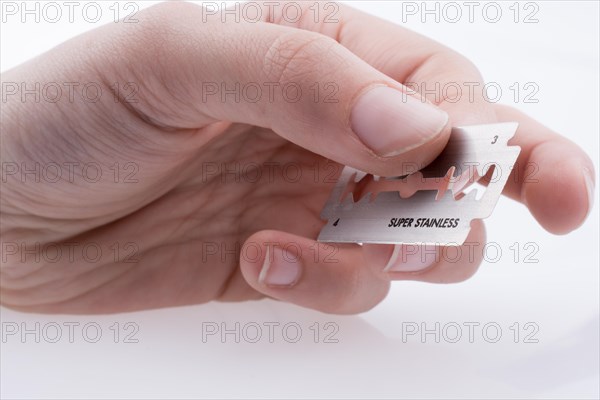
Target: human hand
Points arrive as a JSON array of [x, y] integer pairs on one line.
[[185, 218]]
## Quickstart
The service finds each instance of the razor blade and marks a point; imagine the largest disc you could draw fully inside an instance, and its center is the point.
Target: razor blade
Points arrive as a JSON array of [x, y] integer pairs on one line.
[[434, 205]]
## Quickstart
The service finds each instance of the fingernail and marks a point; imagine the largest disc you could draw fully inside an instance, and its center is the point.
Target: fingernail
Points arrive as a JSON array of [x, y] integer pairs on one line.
[[390, 122], [411, 258], [589, 185], [280, 268]]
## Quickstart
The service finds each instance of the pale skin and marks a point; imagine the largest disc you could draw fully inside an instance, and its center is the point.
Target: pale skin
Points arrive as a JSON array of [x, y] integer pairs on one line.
[[171, 133]]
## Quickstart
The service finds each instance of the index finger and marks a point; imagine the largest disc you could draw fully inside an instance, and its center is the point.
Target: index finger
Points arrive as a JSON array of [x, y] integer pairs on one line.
[[423, 64], [437, 72]]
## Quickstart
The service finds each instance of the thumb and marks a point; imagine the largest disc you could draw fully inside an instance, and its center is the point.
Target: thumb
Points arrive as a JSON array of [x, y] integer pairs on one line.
[[303, 85]]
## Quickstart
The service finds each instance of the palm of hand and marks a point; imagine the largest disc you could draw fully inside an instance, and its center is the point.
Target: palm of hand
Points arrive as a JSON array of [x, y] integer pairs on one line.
[[186, 241]]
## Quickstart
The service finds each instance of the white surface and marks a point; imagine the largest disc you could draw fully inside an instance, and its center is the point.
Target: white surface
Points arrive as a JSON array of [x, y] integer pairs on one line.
[[560, 293]]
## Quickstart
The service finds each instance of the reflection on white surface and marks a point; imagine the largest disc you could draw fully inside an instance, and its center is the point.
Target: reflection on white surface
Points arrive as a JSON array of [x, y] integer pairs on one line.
[[175, 357], [558, 293]]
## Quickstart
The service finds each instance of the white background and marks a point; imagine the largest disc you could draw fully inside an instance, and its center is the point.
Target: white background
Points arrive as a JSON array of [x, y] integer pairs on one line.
[[559, 294]]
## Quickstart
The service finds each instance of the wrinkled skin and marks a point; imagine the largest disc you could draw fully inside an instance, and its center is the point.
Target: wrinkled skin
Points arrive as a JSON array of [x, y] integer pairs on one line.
[[175, 213]]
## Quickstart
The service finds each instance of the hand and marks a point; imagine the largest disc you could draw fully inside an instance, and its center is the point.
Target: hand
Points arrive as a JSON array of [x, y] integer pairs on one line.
[[169, 194]]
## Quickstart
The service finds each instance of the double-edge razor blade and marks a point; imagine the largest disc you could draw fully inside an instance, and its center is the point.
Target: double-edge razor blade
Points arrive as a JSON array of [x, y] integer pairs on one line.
[[434, 205]]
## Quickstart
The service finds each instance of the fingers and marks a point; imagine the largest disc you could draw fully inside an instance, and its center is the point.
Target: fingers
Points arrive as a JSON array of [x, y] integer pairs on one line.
[[186, 72], [329, 278], [430, 263], [438, 73], [305, 86], [553, 176], [346, 279], [547, 162]]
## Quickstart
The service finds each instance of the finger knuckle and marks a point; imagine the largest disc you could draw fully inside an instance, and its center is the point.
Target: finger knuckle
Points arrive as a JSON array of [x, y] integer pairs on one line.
[[294, 56], [159, 30]]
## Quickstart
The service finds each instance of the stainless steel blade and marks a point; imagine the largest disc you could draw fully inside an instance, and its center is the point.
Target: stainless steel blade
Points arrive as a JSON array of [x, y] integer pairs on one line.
[[439, 212]]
